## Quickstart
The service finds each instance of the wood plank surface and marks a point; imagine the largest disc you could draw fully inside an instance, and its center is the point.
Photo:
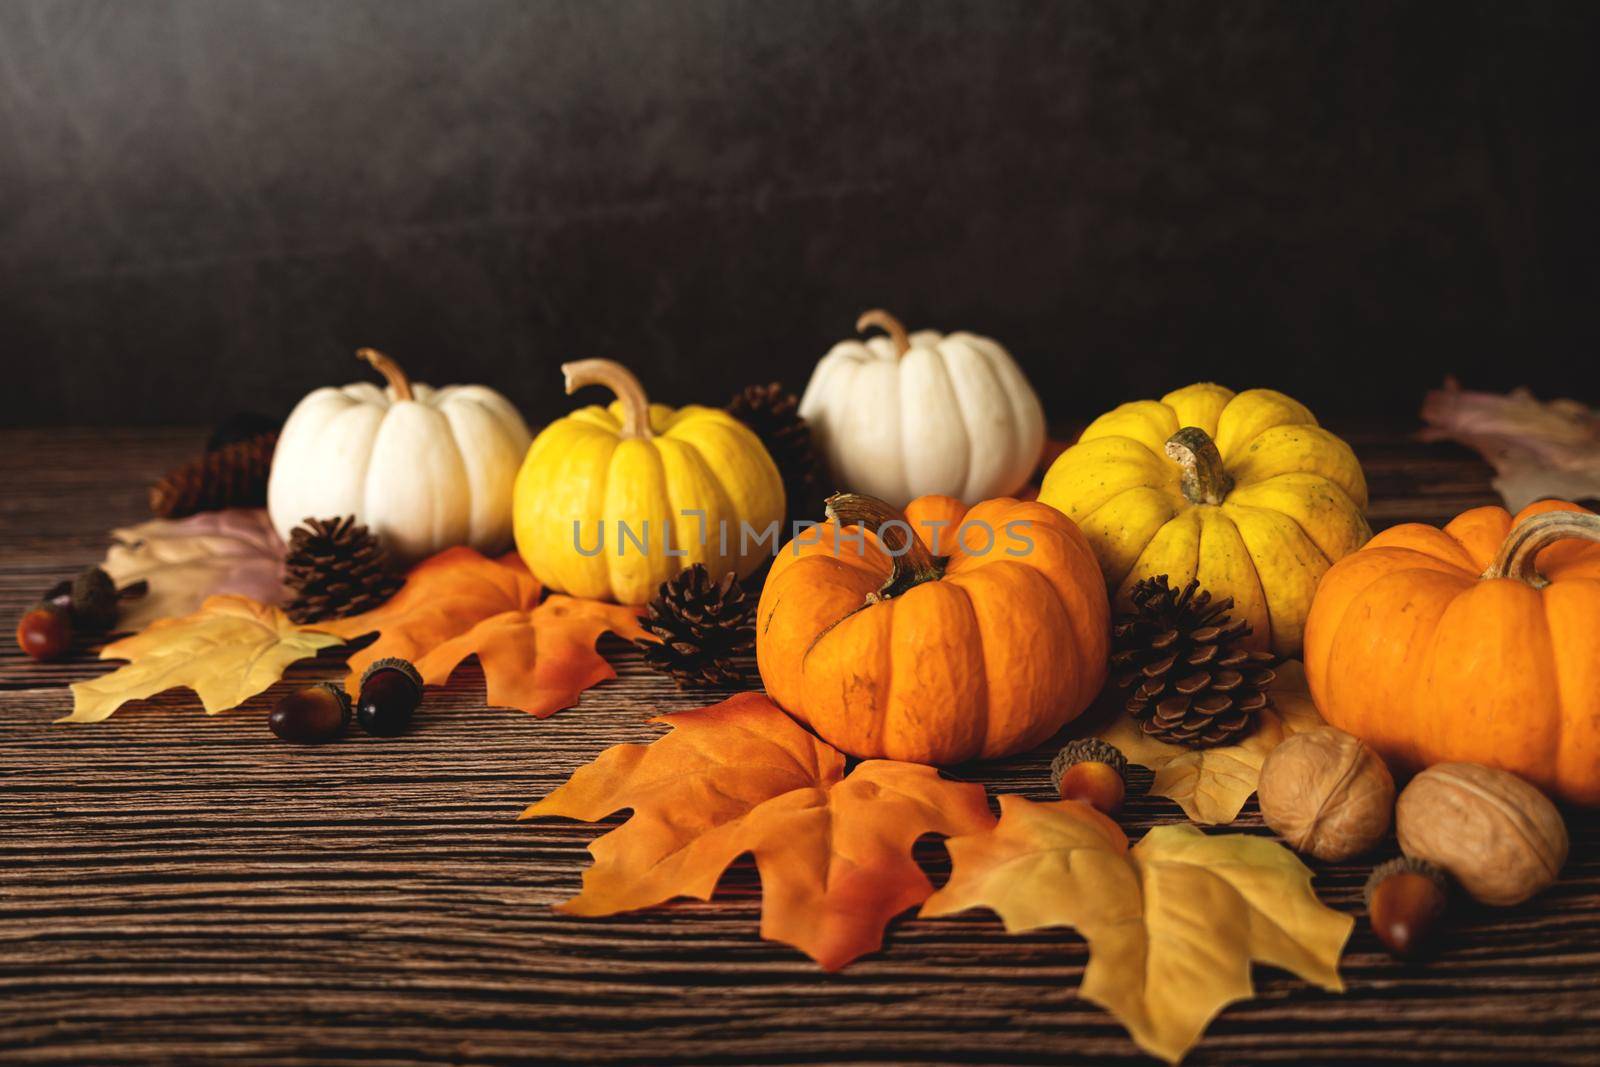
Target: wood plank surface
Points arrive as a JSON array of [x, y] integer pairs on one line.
[[178, 888]]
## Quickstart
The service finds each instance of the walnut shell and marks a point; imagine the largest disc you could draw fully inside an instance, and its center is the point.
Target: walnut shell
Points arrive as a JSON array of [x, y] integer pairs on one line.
[[1326, 793], [1497, 835]]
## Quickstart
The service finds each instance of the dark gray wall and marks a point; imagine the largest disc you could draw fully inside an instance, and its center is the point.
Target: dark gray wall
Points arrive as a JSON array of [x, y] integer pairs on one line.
[[206, 205]]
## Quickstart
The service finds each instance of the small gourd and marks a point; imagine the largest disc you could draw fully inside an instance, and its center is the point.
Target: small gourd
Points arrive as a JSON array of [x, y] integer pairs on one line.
[[925, 413], [424, 469], [1477, 643], [977, 636], [611, 502], [1244, 492]]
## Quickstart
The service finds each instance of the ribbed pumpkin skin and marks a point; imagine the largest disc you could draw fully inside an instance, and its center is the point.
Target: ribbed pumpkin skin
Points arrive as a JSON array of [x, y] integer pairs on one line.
[[952, 414], [1409, 649], [1294, 504], [583, 469], [987, 661], [423, 473]]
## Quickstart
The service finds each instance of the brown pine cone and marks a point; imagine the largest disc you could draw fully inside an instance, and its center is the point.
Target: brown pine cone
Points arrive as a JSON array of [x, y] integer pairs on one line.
[[335, 568], [1193, 681], [233, 476], [703, 625], [773, 413]]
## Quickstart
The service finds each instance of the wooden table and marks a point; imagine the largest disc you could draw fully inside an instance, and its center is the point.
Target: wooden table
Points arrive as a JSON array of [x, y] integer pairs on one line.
[[175, 887]]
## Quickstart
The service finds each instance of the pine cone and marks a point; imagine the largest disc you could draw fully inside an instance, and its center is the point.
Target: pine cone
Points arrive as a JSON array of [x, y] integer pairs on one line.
[[234, 476], [772, 412], [1194, 683], [702, 625], [336, 568]]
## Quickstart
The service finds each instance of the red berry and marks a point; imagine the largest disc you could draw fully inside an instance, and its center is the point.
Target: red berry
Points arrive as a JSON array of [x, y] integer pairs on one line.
[[45, 632]]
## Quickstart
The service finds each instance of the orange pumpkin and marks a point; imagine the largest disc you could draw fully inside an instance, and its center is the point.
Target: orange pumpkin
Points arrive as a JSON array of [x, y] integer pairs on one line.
[[887, 650], [1477, 643]]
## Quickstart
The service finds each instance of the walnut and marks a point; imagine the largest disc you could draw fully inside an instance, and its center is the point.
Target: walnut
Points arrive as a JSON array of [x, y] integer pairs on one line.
[[1497, 835], [1326, 793]]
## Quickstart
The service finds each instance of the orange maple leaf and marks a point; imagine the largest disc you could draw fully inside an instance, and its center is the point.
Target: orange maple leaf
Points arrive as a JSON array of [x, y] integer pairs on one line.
[[834, 851], [536, 656]]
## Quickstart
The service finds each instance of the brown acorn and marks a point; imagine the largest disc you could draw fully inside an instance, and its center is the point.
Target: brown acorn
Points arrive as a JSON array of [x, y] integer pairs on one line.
[[45, 632], [1092, 771], [1405, 898]]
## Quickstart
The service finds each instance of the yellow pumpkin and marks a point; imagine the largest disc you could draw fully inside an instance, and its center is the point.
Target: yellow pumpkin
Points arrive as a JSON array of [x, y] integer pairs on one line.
[[611, 502], [1244, 492]]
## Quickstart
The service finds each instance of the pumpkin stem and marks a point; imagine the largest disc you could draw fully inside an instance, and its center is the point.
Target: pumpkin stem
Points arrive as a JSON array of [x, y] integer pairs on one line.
[[890, 325], [620, 380], [1204, 480], [390, 370], [1532, 535], [913, 563]]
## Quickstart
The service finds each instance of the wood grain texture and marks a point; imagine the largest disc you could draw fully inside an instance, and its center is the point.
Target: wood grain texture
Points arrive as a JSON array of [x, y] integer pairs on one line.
[[178, 888]]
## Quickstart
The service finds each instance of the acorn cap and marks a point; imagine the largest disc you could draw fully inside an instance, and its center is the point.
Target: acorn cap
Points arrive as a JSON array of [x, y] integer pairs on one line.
[[1087, 750], [393, 663], [1403, 865], [94, 599]]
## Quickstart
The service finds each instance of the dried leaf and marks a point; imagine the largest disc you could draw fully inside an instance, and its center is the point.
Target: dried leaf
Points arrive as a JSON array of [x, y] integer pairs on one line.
[[1172, 924], [834, 851], [187, 560], [536, 656], [1211, 784], [1538, 449], [227, 652]]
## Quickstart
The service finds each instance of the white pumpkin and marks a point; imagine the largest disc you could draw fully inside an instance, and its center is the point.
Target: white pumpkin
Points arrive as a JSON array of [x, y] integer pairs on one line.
[[423, 468], [902, 416]]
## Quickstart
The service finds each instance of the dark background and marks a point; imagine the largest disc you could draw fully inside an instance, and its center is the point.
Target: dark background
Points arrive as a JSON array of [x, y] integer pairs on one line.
[[206, 206]]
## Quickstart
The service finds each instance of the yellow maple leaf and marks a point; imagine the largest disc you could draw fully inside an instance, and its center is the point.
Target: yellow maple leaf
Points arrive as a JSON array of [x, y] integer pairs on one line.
[[227, 652], [1172, 924], [1211, 784]]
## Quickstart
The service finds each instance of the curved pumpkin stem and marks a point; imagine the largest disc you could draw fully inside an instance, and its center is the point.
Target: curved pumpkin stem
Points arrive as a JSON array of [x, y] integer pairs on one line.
[[1532, 535], [889, 325], [620, 380], [390, 370], [913, 563], [1204, 481]]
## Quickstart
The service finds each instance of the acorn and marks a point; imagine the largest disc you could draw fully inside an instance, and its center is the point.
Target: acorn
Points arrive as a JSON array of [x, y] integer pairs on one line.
[[1093, 772], [1405, 898], [391, 689], [45, 632], [311, 715]]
